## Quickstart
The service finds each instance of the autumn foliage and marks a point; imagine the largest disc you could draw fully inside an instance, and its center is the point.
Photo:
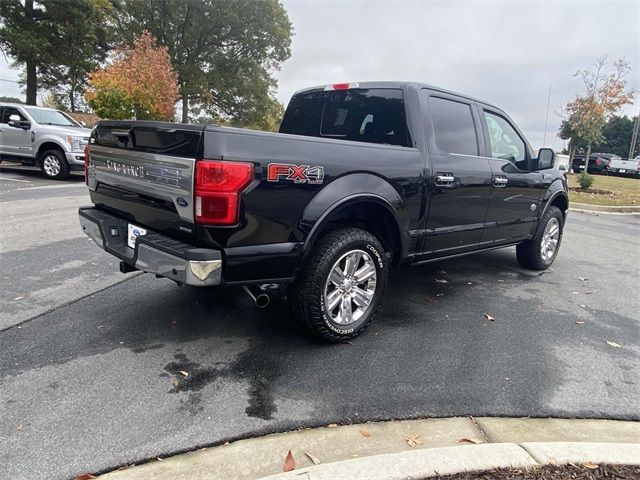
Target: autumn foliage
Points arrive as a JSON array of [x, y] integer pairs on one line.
[[139, 83]]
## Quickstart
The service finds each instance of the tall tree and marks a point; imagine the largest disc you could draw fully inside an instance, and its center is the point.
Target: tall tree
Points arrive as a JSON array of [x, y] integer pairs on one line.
[[604, 95], [79, 43], [21, 36], [616, 136], [224, 51], [139, 82], [57, 41]]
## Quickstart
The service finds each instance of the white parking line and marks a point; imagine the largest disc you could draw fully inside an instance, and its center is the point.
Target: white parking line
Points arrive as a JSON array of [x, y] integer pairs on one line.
[[63, 185], [14, 180]]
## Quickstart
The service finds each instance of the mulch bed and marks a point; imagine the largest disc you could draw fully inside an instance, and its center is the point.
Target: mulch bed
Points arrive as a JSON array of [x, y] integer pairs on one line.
[[595, 191], [550, 472]]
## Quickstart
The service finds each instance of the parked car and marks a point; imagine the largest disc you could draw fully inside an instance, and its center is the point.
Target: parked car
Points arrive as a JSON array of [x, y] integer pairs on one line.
[[627, 168], [598, 163], [361, 177], [43, 137]]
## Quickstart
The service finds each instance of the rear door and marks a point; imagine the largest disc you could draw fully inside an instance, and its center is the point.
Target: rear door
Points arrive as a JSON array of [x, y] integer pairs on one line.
[[14, 142], [459, 184], [516, 191]]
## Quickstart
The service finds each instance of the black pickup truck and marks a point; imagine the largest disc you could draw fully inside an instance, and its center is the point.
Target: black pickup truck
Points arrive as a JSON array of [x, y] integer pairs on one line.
[[361, 177]]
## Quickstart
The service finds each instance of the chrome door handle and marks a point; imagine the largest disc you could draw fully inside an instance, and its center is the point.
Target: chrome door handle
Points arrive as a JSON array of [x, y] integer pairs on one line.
[[500, 182], [445, 179]]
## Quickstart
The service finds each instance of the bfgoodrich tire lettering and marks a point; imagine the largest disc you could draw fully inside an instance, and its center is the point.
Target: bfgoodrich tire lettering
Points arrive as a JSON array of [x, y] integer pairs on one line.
[[328, 275], [540, 252]]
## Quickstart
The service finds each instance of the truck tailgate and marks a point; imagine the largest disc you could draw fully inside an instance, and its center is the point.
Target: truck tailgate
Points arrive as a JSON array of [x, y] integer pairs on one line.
[[144, 172]]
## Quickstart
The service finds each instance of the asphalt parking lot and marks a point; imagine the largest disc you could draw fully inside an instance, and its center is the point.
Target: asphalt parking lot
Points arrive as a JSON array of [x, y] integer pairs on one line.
[[91, 360]]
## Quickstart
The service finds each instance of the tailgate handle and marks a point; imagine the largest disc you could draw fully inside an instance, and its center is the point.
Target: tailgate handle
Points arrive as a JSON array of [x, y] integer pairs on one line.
[[125, 136]]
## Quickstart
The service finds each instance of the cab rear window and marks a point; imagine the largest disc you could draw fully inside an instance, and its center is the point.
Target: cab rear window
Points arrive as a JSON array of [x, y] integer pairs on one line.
[[375, 115]]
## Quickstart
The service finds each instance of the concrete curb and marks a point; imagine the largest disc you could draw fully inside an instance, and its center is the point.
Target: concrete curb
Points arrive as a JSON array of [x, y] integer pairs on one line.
[[473, 458], [587, 208], [377, 443]]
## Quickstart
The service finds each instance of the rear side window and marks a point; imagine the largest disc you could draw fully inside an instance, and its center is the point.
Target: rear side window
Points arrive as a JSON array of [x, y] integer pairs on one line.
[[453, 126], [375, 115]]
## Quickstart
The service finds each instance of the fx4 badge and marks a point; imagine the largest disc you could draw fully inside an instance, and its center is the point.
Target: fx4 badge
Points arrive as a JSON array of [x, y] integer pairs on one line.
[[296, 173]]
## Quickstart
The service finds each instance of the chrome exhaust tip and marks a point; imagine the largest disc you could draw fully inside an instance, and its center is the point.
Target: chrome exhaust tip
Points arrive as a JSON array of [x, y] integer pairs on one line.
[[259, 297]]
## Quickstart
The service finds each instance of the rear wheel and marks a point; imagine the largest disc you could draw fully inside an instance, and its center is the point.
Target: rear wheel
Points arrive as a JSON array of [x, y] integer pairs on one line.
[[54, 165], [540, 252], [340, 289]]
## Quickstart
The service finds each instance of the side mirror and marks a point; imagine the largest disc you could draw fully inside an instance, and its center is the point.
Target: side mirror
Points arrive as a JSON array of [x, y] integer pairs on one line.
[[15, 122], [546, 158]]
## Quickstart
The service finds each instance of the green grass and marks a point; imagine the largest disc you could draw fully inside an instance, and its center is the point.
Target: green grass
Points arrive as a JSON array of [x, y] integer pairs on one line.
[[607, 190]]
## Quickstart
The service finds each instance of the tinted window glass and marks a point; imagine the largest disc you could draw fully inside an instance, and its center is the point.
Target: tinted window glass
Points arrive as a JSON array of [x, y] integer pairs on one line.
[[505, 142], [374, 115], [8, 111], [453, 126]]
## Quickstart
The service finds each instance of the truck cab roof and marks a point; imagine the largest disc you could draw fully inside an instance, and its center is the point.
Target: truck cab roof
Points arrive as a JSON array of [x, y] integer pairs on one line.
[[395, 84]]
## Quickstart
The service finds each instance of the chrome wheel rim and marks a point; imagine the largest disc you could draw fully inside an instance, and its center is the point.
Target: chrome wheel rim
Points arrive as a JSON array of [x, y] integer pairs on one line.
[[51, 165], [349, 289], [550, 239]]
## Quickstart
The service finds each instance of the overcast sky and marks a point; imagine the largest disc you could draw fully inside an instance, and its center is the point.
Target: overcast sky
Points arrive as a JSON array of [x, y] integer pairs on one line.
[[504, 52]]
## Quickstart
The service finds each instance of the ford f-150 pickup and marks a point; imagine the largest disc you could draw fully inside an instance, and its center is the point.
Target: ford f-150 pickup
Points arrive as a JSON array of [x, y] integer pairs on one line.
[[360, 178]]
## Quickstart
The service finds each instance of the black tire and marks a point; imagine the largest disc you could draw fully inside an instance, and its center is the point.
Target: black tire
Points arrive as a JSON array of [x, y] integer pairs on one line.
[[307, 294], [530, 253], [53, 164]]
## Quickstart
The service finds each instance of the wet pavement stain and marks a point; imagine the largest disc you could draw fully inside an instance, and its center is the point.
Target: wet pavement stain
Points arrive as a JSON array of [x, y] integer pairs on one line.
[[197, 376], [261, 401], [259, 372]]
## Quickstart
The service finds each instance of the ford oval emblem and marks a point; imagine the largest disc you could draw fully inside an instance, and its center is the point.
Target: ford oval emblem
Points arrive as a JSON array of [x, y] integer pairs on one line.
[[182, 202]]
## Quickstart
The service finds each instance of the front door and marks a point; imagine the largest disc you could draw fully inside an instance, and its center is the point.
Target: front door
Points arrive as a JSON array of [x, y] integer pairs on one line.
[[14, 142], [515, 190], [460, 181]]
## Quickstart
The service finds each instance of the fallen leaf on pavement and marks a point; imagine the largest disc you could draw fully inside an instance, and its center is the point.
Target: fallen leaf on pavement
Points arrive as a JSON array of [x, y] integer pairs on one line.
[[489, 317], [18, 298], [591, 466], [183, 373], [583, 279], [613, 344], [469, 440], [413, 440], [441, 280], [578, 322], [84, 476], [364, 433], [289, 462], [429, 299], [347, 342], [313, 458], [20, 426], [332, 425], [576, 293]]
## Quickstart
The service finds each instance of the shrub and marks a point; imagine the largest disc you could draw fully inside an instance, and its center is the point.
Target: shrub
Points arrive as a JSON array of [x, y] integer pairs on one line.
[[585, 180]]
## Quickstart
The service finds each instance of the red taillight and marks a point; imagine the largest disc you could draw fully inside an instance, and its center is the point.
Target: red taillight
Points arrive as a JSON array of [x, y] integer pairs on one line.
[[341, 86], [218, 186], [86, 164]]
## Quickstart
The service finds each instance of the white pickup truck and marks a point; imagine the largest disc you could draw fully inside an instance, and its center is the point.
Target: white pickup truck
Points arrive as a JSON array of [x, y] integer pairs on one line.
[[629, 167]]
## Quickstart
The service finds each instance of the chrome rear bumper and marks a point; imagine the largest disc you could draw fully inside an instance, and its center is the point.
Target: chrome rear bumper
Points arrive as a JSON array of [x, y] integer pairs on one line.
[[153, 252]]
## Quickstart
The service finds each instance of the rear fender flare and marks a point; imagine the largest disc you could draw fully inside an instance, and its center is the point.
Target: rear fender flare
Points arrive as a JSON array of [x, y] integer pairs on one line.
[[343, 192]]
